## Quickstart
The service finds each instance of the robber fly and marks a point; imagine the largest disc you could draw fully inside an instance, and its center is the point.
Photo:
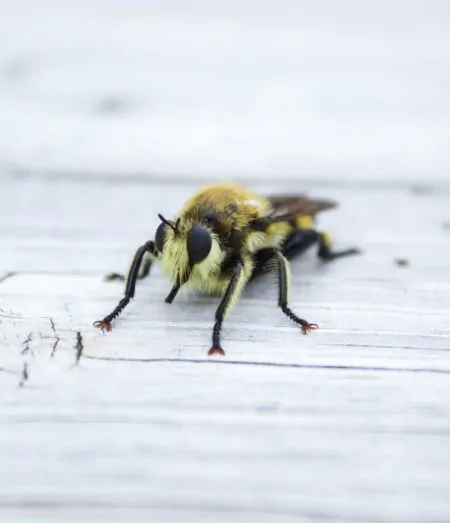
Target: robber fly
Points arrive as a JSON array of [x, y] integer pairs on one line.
[[223, 237]]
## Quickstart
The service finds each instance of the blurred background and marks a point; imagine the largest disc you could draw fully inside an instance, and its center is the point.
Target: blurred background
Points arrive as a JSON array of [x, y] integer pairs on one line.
[[294, 88]]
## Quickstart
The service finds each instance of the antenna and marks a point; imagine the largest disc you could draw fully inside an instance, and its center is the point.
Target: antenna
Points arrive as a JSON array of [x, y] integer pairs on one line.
[[170, 224]]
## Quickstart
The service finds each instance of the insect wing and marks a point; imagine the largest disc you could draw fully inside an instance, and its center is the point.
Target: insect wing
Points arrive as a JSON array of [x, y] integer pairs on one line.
[[285, 208]]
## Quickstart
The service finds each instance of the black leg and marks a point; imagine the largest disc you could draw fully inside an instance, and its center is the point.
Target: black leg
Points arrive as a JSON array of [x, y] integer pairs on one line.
[[130, 286], [172, 294], [326, 253], [145, 271], [283, 291], [237, 283], [261, 260], [297, 243], [301, 240]]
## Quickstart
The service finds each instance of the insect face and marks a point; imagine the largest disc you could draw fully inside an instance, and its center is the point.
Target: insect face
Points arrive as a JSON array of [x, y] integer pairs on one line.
[[187, 250]]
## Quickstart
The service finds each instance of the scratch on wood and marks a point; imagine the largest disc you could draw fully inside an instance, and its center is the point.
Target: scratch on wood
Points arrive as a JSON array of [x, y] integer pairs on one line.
[[69, 314], [378, 346], [359, 368], [10, 316], [57, 338], [25, 375], [6, 276], [26, 343], [9, 371], [79, 348]]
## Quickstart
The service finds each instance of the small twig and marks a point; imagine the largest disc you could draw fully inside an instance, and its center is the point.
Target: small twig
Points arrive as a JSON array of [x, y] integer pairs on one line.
[[79, 348], [26, 343], [57, 338], [25, 375]]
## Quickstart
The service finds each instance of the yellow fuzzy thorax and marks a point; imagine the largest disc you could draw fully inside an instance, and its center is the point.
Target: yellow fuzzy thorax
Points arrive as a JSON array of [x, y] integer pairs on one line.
[[236, 202]]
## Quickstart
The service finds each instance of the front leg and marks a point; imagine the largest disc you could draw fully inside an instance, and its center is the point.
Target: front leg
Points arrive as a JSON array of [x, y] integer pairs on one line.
[[239, 279], [130, 287], [172, 294]]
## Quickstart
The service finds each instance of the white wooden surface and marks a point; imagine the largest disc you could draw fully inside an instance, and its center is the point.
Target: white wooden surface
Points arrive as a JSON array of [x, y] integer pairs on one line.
[[350, 423]]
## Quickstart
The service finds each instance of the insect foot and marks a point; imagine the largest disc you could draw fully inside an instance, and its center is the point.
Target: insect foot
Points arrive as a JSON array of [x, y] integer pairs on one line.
[[104, 325], [308, 327], [216, 351]]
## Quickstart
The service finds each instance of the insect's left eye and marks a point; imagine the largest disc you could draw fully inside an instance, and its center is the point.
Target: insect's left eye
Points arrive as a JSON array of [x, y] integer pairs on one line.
[[199, 244], [160, 236]]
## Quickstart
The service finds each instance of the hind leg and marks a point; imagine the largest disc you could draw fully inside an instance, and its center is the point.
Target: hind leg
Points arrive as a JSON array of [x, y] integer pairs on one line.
[[301, 240], [326, 252]]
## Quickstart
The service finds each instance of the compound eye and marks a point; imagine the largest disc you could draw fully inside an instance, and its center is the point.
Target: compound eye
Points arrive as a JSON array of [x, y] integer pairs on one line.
[[160, 236], [199, 244]]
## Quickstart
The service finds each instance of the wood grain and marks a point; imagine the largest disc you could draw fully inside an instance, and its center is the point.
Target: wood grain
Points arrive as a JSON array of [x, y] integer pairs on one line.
[[350, 423]]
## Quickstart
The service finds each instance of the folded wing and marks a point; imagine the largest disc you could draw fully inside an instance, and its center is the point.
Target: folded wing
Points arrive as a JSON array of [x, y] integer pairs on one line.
[[286, 208]]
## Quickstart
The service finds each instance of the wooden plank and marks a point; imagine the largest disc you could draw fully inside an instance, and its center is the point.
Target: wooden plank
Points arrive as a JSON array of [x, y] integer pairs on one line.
[[349, 423]]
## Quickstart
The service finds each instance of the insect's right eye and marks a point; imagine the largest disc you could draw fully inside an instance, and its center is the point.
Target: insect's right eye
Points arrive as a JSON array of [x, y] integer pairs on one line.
[[160, 236]]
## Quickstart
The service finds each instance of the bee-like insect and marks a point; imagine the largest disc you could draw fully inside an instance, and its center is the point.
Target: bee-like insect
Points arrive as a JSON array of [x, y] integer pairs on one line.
[[223, 237]]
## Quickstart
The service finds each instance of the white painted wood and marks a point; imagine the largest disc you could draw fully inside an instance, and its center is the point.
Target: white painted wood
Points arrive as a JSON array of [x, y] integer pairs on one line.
[[350, 423]]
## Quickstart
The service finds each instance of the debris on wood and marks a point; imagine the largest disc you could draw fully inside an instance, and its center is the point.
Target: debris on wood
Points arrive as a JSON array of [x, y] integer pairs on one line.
[[78, 348], [25, 375], [402, 262]]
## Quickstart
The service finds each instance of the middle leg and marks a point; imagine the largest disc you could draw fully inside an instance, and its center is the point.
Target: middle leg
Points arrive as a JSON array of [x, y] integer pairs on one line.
[[284, 277]]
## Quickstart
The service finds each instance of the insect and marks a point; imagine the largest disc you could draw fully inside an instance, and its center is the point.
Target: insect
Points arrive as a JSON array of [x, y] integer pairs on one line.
[[224, 236]]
